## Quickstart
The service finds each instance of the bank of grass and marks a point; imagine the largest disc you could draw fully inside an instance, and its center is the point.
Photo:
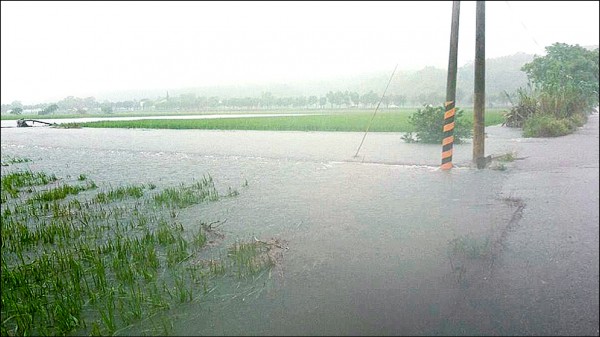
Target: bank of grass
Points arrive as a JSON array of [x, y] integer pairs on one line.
[[397, 121]]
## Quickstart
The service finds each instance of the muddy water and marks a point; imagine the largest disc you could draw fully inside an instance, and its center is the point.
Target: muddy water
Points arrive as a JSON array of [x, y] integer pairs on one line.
[[13, 123], [366, 239]]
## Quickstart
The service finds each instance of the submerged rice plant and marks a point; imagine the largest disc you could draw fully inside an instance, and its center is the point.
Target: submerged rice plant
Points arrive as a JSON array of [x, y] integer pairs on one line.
[[13, 182], [120, 193], [250, 258], [96, 265], [183, 196], [14, 160]]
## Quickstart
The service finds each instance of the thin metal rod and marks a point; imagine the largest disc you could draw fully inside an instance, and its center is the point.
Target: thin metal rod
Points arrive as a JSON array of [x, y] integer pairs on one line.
[[371, 121]]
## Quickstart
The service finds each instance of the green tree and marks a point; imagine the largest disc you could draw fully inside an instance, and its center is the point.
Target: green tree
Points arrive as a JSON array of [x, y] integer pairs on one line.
[[106, 108], [330, 98], [369, 98], [49, 109], [322, 101], [386, 100], [267, 99], [399, 100], [430, 98], [300, 101], [16, 104], [16, 111], [312, 101], [187, 101], [354, 97], [213, 101], [566, 79]]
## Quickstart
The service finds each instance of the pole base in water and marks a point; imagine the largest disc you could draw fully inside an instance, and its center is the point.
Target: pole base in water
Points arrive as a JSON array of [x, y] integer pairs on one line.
[[446, 166]]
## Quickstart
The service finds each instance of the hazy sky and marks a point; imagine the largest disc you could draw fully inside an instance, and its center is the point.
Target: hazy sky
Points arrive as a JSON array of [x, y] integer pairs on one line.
[[51, 50]]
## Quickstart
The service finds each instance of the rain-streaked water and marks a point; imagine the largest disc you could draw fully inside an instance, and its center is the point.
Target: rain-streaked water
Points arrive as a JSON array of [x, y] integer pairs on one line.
[[13, 123], [367, 238]]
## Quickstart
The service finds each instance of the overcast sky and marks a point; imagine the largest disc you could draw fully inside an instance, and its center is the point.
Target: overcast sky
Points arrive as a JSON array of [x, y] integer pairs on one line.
[[51, 50]]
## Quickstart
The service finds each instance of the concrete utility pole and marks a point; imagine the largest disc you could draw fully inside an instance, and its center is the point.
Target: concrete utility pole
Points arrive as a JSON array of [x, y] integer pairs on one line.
[[479, 94], [448, 141]]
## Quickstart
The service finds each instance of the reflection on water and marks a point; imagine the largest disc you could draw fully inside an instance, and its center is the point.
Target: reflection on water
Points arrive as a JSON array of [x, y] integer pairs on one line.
[[367, 243]]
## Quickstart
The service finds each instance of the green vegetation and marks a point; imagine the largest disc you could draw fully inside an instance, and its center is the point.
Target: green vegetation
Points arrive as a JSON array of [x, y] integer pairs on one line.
[[249, 258], [60, 192], [541, 125], [120, 193], [356, 121], [16, 111], [183, 196], [67, 125], [52, 108], [507, 157], [525, 107], [14, 182], [565, 90], [106, 263], [467, 251], [14, 160], [428, 124]]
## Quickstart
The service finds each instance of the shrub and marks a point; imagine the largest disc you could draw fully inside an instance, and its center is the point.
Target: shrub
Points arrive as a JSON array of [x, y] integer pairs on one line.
[[526, 107], [579, 119], [547, 126], [428, 124]]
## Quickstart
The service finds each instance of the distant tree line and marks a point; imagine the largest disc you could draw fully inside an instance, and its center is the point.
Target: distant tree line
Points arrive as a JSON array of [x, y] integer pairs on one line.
[[193, 102], [190, 102]]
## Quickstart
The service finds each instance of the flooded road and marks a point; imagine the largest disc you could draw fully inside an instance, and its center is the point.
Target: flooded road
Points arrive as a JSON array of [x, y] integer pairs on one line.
[[370, 242]]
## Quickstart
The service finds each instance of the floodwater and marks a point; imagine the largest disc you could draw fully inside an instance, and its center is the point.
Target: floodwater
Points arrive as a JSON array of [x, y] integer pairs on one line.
[[13, 123], [366, 238]]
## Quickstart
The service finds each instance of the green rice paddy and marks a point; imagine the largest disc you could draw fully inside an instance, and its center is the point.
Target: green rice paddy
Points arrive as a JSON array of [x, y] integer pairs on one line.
[[82, 259], [352, 121]]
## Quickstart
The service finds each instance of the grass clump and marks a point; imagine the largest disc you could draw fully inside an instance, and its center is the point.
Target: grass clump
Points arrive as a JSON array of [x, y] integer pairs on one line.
[[15, 182], [120, 193], [183, 196], [251, 257], [60, 192], [14, 160], [67, 125]]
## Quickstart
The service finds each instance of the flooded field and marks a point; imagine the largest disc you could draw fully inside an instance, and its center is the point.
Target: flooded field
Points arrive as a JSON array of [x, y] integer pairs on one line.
[[13, 123], [380, 244]]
